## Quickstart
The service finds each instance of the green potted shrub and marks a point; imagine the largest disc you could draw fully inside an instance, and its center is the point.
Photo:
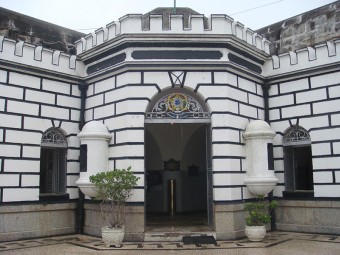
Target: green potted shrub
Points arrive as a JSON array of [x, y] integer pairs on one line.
[[113, 188], [258, 215]]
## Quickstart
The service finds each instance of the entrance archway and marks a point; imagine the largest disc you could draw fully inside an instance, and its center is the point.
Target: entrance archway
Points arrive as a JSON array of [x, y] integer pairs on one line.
[[178, 186]]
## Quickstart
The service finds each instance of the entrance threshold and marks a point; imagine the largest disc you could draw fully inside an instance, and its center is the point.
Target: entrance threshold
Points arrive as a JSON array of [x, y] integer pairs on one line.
[[173, 228], [157, 235]]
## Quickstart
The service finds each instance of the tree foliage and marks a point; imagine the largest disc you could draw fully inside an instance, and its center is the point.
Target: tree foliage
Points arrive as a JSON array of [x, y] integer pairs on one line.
[[259, 211], [113, 188]]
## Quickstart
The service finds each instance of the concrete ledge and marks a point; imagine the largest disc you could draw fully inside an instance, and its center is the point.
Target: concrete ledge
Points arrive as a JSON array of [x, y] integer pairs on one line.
[[229, 221], [36, 220], [310, 216]]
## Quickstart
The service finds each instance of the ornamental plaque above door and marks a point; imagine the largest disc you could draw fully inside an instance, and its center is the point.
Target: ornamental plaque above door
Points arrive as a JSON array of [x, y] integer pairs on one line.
[[177, 105]]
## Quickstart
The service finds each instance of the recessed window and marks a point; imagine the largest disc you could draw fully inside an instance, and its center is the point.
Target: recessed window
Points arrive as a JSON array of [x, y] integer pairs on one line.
[[298, 168], [53, 163]]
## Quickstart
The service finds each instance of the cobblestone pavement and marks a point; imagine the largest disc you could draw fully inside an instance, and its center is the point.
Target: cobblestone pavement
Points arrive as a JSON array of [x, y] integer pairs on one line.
[[275, 243]]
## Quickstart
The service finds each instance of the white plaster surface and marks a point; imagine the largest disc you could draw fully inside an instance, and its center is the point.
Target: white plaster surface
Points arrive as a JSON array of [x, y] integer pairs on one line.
[[326, 163], [325, 134], [68, 101], [93, 101], [104, 85], [256, 100], [278, 101], [7, 180], [125, 121], [227, 194], [223, 106], [3, 76], [314, 122], [326, 107], [24, 80], [137, 165], [17, 165], [56, 86], [335, 119], [25, 194], [39, 96], [195, 78], [162, 79], [325, 80], [273, 90], [30, 180], [130, 92], [321, 149], [11, 121], [12, 92], [294, 111], [310, 96], [16, 136], [323, 191], [2, 104], [228, 150], [126, 151], [337, 177], [130, 136], [221, 179], [104, 111], [334, 91], [225, 135], [225, 78], [55, 112], [246, 85], [128, 78], [288, 87], [323, 177], [248, 111], [220, 120], [22, 107], [336, 148], [72, 167], [226, 164], [9, 150], [131, 106]]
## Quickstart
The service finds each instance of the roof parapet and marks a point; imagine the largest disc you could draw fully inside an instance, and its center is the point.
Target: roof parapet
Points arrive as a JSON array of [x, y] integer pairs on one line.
[[133, 24], [29, 54], [305, 58]]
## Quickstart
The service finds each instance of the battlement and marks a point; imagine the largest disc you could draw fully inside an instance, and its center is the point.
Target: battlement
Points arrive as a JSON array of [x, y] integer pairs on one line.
[[218, 24], [322, 54], [29, 54]]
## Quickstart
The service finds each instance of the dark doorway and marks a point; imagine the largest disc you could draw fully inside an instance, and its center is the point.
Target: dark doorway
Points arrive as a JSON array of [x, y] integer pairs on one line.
[[177, 183]]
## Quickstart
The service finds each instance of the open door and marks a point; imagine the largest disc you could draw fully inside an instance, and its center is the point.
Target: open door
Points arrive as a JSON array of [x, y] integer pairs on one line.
[[210, 198]]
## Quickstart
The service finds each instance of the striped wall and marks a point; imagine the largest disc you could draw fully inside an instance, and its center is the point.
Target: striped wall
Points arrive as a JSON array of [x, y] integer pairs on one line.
[[312, 103], [29, 105], [121, 101]]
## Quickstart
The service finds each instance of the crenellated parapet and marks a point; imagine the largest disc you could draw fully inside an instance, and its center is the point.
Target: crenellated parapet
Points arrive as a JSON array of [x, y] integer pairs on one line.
[[322, 54], [37, 56], [218, 24]]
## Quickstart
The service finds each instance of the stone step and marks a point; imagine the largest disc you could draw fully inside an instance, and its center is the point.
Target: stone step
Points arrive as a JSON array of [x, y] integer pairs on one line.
[[173, 236]]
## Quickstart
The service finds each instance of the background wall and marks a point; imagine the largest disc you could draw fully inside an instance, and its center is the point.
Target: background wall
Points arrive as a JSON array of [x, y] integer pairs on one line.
[[29, 105], [313, 103]]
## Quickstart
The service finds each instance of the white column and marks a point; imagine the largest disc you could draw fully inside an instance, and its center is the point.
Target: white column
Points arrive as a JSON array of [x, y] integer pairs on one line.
[[259, 179], [96, 136]]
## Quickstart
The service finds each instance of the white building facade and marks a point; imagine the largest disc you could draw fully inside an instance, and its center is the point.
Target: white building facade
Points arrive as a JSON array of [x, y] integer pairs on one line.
[[175, 103]]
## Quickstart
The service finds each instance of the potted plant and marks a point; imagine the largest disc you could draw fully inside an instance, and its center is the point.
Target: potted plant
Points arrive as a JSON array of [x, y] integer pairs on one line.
[[258, 216], [113, 188]]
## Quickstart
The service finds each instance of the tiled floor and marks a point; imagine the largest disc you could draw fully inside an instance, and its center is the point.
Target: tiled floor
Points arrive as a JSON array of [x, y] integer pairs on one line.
[[96, 244]]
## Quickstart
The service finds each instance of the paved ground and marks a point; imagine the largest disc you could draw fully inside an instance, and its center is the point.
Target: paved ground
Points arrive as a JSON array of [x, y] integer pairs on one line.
[[277, 243]]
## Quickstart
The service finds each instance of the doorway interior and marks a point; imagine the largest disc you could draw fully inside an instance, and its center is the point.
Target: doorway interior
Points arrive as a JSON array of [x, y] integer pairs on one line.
[[177, 177]]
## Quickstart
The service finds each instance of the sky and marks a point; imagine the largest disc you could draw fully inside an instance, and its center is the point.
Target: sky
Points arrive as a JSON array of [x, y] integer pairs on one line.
[[88, 15]]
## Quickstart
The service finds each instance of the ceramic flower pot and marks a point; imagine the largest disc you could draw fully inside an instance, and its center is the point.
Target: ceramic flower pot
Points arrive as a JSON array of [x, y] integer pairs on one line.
[[255, 233], [113, 236]]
